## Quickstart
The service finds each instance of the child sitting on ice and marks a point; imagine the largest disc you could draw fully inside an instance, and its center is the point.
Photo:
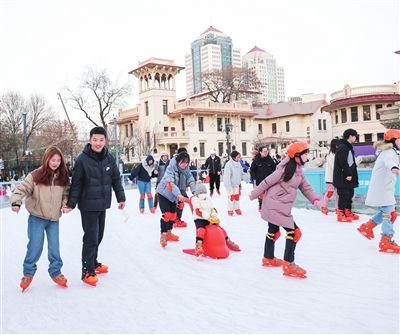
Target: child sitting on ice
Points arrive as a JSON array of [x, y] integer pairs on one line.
[[204, 213]]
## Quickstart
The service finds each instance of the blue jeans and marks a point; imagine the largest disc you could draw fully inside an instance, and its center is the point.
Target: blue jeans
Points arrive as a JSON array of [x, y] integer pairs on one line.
[[383, 217], [145, 188], [36, 229]]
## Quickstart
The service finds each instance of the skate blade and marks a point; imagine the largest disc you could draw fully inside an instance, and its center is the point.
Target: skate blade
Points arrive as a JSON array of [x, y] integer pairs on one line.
[[363, 234], [389, 251], [295, 276]]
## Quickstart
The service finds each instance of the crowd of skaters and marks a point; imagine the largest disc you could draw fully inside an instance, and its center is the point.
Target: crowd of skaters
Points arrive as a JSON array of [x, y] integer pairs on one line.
[[49, 193]]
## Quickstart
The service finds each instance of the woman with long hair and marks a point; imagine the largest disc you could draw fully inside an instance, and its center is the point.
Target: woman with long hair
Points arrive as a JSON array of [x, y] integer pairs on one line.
[[46, 192]]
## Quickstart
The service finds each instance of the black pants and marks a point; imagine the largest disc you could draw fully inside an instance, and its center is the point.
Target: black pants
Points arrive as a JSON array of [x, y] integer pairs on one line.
[[215, 179], [93, 230], [179, 211], [156, 196], [166, 206], [345, 198], [269, 247]]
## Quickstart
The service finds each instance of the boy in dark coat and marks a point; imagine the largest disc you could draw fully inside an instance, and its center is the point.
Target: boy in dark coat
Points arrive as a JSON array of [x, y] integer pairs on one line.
[[94, 176], [345, 176]]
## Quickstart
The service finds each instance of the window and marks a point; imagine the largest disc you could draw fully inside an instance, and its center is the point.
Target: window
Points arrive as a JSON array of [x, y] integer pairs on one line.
[[243, 124], [220, 127], [202, 150], [354, 114], [146, 108], [131, 126], [343, 115], [379, 136], [274, 128], [201, 123], [126, 131], [244, 149], [368, 138], [147, 138], [220, 148], [378, 115], [133, 152], [127, 154], [165, 107], [183, 124], [287, 126], [319, 124], [336, 117], [260, 128], [324, 124], [367, 113]]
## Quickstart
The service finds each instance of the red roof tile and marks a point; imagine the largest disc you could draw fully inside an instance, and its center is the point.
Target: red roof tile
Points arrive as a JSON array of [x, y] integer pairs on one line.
[[211, 28], [256, 48]]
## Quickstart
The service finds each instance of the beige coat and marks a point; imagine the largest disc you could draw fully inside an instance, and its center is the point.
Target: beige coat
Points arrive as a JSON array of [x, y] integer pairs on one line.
[[42, 201]]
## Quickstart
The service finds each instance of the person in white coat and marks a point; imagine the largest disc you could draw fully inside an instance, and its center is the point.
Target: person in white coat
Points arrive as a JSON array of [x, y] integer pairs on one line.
[[330, 189], [232, 179], [381, 191]]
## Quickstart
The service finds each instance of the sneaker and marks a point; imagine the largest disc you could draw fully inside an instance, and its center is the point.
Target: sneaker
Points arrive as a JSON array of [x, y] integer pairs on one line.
[[199, 251], [324, 210], [293, 270], [172, 237], [238, 211], [101, 268], [60, 280], [230, 213], [272, 262], [232, 245], [25, 282], [90, 279], [163, 239]]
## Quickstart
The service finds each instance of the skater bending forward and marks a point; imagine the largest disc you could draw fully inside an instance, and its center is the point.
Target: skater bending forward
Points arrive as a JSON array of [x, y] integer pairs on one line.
[[279, 192], [204, 213], [381, 190]]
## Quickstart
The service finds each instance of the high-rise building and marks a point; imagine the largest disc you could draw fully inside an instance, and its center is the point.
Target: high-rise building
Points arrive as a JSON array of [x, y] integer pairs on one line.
[[212, 50], [271, 76]]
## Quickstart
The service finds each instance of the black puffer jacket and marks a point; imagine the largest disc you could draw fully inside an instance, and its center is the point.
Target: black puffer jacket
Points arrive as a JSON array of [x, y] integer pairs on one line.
[[345, 165], [213, 165], [261, 168], [93, 178]]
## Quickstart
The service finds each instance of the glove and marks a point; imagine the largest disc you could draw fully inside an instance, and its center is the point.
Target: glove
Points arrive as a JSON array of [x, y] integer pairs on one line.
[[198, 212], [261, 196], [316, 203], [213, 220], [169, 186], [329, 194], [180, 205], [393, 216]]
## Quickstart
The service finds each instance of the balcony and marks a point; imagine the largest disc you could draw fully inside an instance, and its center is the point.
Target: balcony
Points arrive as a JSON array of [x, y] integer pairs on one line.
[[173, 136], [352, 92]]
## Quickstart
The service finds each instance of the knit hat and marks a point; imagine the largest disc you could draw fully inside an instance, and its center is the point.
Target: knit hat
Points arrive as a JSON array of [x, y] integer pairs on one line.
[[199, 189], [163, 153], [349, 132]]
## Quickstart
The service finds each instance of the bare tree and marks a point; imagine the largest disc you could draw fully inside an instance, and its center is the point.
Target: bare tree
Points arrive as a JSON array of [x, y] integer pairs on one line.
[[231, 84], [142, 141], [39, 114], [98, 96]]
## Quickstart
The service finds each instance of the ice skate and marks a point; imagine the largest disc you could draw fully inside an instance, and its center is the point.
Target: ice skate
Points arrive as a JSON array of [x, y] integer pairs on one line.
[[141, 210], [101, 268], [199, 251], [172, 237], [90, 279], [293, 270], [366, 229], [350, 214], [153, 210], [343, 218], [180, 224], [163, 239], [60, 280], [275, 262], [324, 210], [232, 245], [230, 213], [238, 211], [25, 282], [386, 244]]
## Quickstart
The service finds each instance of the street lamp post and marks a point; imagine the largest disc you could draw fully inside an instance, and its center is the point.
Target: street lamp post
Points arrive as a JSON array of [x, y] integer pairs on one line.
[[228, 130], [116, 142], [25, 144]]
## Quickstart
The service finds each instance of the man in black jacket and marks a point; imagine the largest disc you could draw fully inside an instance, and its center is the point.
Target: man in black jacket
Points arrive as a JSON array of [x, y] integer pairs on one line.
[[213, 163], [94, 176], [261, 167], [345, 176]]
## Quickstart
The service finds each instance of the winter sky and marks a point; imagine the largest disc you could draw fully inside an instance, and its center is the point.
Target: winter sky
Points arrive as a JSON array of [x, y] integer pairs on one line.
[[323, 45]]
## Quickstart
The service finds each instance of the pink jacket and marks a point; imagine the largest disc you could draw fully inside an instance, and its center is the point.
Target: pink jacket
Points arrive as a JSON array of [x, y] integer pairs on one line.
[[279, 195]]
